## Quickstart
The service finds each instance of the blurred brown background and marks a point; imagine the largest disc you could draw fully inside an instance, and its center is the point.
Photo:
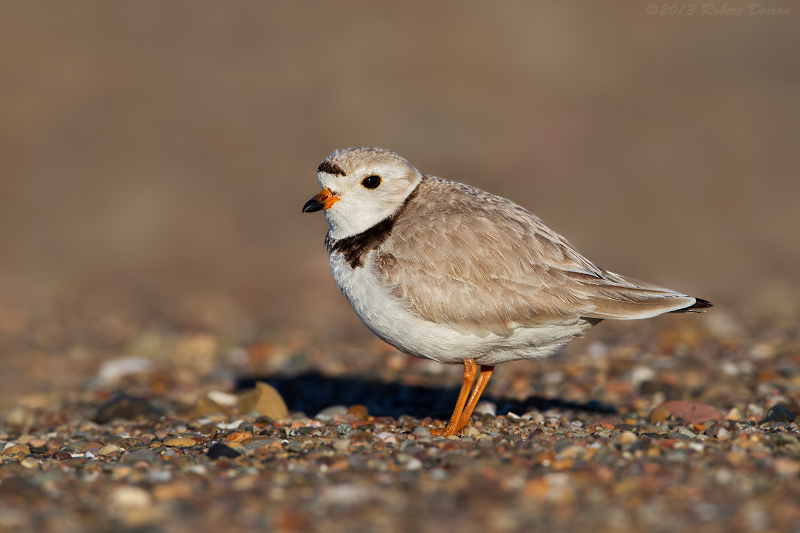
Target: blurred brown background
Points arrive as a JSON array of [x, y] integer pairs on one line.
[[154, 156]]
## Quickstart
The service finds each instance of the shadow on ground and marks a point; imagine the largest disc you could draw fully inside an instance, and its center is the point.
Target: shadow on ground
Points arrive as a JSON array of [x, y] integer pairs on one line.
[[312, 392]]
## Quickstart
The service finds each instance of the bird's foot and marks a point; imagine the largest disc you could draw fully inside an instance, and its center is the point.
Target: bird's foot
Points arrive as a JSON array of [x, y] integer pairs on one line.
[[443, 432]]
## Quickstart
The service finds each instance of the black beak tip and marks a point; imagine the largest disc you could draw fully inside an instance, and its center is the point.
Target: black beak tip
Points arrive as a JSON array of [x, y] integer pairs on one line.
[[312, 205]]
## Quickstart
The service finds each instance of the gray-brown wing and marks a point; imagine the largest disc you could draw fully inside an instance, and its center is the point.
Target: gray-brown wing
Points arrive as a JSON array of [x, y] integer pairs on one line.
[[482, 264]]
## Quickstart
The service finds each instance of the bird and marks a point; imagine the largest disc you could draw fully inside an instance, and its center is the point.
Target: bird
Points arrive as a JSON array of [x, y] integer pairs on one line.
[[445, 271]]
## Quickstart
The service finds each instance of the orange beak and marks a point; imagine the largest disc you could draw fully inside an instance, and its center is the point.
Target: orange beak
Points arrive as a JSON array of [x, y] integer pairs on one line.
[[324, 200]]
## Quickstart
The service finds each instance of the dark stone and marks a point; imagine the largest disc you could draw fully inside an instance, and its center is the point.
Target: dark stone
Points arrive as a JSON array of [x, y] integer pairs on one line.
[[144, 454], [126, 443], [295, 447], [265, 420], [779, 413], [221, 450], [652, 436], [679, 436], [75, 447], [653, 387], [124, 407]]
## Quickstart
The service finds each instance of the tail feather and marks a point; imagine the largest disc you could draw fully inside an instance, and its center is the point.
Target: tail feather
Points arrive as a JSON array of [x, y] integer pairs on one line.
[[695, 307], [613, 296]]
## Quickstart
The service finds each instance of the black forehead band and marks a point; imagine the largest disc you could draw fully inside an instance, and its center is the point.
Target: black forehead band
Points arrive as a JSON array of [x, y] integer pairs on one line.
[[330, 168]]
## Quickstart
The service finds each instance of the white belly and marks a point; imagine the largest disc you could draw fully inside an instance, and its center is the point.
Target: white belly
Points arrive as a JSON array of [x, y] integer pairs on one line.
[[389, 318]]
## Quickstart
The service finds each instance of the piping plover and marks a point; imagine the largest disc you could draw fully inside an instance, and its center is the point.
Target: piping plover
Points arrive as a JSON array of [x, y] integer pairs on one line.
[[449, 272]]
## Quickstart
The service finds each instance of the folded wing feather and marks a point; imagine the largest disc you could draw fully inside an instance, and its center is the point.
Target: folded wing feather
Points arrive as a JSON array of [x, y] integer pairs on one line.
[[483, 264]]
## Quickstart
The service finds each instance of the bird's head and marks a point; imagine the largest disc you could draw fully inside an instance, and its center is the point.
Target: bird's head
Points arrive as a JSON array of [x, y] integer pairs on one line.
[[361, 187]]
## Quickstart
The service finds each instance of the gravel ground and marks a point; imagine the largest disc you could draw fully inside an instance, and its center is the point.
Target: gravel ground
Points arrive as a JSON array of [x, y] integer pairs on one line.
[[680, 423]]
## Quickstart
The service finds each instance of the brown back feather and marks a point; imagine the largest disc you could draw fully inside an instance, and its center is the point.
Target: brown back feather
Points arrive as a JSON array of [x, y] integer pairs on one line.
[[481, 263]]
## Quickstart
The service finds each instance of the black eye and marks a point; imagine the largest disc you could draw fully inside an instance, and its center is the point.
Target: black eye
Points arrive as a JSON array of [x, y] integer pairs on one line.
[[371, 182]]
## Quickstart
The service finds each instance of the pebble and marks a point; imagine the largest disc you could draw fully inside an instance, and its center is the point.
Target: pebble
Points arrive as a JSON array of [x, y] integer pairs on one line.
[[264, 400], [733, 415], [19, 417], [328, 413], [143, 454], [573, 451], [206, 406], [131, 505], [75, 446], [223, 398], [658, 414], [25, 439], [109, 449], [36, 443], [386, 437], [16, 449], [469, 431], [717, 432], [91, 446], [536, 416], [486, 408], [261, 443], [691, 412], [413, 464], [786, 467], [341, 445], [359, 411], [124, 407], [221, 450], [177, 490], [779, 413], [627, 437], [29, 462], [238, 436], [180, 442], [422, 432], [114, 369]]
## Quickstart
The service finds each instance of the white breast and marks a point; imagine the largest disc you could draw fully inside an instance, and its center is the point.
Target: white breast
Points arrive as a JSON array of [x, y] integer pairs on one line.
[[391, 320]]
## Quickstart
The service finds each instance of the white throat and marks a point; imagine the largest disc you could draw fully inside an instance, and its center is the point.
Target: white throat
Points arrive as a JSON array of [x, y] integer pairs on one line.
[[348, 218]]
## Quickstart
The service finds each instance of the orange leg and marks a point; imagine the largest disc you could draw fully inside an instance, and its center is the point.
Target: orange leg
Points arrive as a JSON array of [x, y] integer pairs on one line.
[[470, 371], [483, 379]]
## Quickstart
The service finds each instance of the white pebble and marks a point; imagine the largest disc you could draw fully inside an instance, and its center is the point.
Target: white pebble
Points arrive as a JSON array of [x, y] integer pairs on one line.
[[486, 408], [413, 464]]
